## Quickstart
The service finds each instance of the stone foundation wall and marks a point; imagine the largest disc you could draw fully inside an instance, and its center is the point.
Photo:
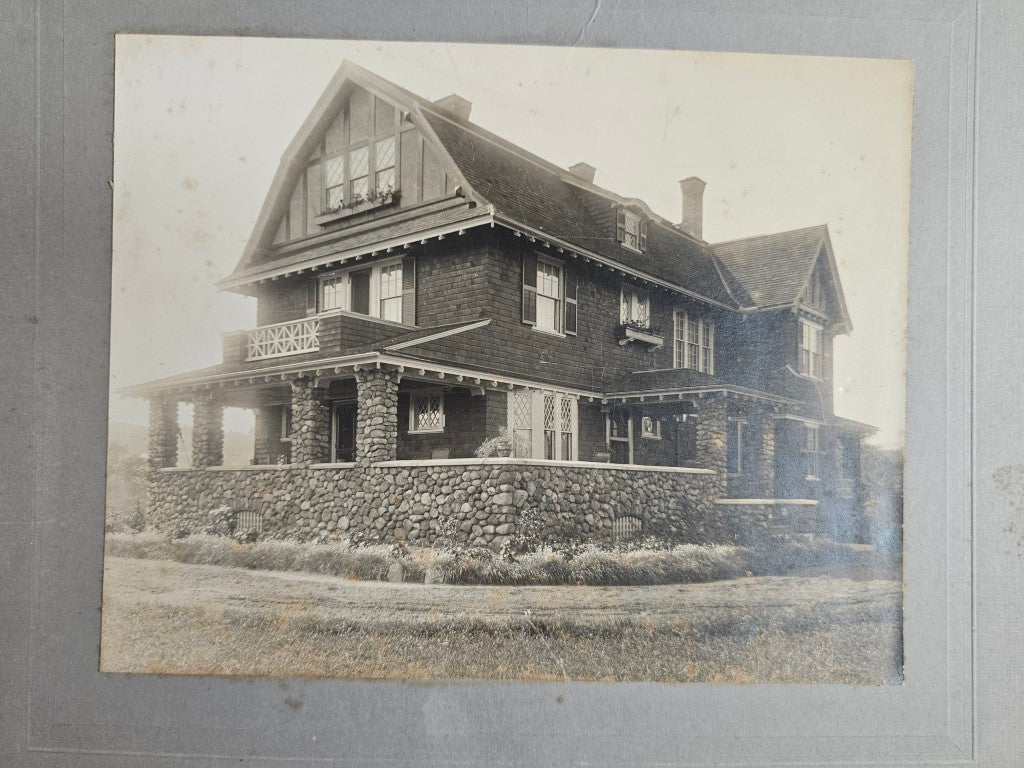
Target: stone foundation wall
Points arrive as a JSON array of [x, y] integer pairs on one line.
[[478, 503], [753, 524]]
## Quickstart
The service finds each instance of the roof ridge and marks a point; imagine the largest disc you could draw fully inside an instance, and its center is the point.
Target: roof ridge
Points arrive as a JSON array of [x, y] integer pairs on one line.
[[769, 234]]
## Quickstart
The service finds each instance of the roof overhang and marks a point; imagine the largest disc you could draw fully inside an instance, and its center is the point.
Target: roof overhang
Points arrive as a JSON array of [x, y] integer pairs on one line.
[[384, 246], [670, 395], [546, 240], [345, 366]]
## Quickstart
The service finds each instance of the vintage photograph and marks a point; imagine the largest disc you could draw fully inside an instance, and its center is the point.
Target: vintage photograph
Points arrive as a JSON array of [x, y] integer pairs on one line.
[[450, 361]]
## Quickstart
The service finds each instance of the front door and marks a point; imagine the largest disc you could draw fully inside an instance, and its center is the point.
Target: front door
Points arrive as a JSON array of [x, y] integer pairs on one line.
[[686, 441], [344, 432], [620, 435]]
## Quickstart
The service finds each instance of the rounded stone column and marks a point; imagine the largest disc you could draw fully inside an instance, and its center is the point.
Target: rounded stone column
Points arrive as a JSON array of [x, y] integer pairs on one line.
[[377, 416], [311, 423], [207, 430], [163, 432], [711, 437]]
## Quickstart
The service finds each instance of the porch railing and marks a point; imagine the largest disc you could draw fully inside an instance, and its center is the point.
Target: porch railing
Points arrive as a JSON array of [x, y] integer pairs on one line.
[[291, 338]]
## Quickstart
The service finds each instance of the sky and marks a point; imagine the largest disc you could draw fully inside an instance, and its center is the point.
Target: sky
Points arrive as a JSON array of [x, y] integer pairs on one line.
[[200, 124]]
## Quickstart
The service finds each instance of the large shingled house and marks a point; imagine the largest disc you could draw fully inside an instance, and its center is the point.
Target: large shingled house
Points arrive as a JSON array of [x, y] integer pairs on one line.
[[422, 285]]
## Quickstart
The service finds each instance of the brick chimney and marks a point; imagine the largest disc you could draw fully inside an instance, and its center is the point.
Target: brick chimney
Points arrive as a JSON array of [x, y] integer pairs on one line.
[[693, 206], [583, 171], [455, 105]]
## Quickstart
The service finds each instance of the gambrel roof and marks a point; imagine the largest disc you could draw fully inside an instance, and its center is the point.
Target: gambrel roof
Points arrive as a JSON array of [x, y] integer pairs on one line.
[[501, 183]]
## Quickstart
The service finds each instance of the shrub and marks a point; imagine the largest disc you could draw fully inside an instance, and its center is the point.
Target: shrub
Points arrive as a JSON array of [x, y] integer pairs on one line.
[[578, 564]]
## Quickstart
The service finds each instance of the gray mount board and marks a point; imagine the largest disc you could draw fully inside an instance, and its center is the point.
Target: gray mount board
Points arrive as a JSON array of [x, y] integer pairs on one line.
[[962, 568]]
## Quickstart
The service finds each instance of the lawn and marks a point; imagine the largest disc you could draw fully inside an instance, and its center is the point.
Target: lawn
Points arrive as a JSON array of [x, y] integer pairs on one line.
[[168, 617]]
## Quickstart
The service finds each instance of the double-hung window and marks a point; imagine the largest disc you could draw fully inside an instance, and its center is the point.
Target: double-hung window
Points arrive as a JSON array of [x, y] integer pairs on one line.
[[426, 413], [812, 448], [375, 291], [549, 296], [391, 292], [693, 342], [635, 307], [811, 349]]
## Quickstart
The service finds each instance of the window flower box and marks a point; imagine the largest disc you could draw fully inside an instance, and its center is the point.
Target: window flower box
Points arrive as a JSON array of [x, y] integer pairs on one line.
[[651, 337], [360, 205]]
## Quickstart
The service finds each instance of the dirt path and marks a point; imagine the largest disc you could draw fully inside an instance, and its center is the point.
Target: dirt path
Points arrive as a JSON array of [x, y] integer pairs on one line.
[[171, 583]]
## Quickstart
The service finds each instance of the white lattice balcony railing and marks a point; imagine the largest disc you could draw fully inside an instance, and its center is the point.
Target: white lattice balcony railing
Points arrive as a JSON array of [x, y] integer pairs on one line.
[[291, 338]]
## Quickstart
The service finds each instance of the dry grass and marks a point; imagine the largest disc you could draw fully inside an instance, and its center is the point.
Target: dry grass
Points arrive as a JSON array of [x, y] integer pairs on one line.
[[682, 564]]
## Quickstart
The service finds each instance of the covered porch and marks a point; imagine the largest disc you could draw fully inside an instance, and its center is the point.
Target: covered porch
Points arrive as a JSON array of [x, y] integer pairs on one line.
[[730, 430]]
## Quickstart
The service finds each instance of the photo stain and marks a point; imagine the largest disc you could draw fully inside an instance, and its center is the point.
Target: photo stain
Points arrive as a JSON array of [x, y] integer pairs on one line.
[[295, 704]]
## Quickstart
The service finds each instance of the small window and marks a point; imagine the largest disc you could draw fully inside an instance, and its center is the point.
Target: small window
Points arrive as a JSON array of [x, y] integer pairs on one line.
[[811, 349], [736, 450], [631, 230], [812, 448], [650, 427], [426, 413], [635, 307], [286, 423]]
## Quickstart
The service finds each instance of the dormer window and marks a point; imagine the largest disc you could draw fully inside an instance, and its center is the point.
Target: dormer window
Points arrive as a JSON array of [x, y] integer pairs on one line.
[[631, 230]]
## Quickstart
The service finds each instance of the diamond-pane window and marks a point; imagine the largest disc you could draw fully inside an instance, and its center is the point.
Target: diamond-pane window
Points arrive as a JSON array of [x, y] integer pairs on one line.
[[334, 181], [426, 414], [359, 169], [385, 165]]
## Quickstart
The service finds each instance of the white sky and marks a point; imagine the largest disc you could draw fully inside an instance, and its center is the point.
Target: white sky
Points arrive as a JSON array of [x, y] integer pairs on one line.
[[782, 142]]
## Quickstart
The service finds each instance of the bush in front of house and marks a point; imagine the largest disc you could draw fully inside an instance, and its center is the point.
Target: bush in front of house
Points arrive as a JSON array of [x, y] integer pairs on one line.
[[580, 565]]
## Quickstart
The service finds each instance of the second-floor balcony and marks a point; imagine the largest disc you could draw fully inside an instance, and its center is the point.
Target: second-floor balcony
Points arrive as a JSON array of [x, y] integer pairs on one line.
[[290, 338]]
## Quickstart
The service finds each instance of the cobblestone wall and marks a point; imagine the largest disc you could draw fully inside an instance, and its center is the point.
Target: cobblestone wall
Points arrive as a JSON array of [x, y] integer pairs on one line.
[[475, 503]]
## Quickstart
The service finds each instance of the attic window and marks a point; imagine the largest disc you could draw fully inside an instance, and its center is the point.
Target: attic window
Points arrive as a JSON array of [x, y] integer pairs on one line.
[[631, 230]]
